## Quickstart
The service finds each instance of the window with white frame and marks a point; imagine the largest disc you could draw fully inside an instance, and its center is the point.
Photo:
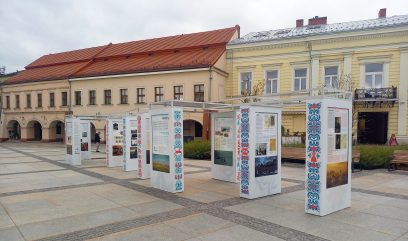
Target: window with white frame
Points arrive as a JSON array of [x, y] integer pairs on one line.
[[331, 77], [271, 81], [246, 82], [300, 79], [373, 75]]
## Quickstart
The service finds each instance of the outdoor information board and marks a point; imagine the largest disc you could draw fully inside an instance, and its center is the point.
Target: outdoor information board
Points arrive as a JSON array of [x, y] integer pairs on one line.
[[260, 151], [72, 141], [85, 139], [114, 142], [167, 149], [143, 145], [225, 164], [328, 155], [130, 145]]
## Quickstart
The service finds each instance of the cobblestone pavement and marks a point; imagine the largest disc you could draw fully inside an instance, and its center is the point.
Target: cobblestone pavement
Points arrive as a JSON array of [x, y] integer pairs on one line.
[[43, 198]]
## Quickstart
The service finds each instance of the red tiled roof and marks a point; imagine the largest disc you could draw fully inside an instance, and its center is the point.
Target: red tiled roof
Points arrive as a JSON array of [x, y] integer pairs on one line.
[[168, 53]]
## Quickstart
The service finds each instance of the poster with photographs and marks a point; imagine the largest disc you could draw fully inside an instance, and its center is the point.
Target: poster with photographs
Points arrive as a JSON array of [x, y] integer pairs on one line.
[[84, 137], [117, 145], [338, 132], [266, 155], [161, 145], [224, 141]]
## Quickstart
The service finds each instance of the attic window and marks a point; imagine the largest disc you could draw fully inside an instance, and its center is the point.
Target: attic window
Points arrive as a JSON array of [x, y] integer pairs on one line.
[[151, 54], [260, 35], [105, 59], [280, 32], [176, 51], [205, 48], [314, 27]]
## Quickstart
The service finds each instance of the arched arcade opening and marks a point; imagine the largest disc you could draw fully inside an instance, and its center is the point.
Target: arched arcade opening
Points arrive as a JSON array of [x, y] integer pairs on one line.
[[57, 131], [193, 130], [14, 130], [34, 131]]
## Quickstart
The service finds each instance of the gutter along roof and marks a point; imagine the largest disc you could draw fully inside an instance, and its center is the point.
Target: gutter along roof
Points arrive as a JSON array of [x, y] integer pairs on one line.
[[186, 51]]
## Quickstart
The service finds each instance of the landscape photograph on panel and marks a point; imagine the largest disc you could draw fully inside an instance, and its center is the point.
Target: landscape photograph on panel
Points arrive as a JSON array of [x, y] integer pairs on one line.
[[266, 156], [133, 152], [224, 141], [161, 163], [84, 141], [337, 163]]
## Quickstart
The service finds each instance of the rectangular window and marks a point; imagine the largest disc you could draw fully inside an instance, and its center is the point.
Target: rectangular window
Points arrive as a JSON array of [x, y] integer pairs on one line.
[[92, 97], [271, 85], [28, 100], [7, 102], [178, 92], [373, 75], [246, 82], [300, 79], [158, 94], [17, 101], [199, 93], [52, 100], [141, 96], [123, 96], [107, 97], [78, 98], [64, 98], [331, 77], [39, 100]]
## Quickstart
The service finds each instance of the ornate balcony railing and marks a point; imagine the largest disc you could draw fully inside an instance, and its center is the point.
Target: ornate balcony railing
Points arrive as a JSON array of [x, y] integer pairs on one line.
[[376, 96]]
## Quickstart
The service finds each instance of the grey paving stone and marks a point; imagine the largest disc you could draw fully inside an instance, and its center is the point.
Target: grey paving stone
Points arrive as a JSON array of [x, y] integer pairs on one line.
[[10, 234]]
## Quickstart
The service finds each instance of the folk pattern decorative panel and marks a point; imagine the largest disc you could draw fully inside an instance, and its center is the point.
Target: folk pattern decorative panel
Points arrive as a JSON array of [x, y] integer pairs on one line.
[[245, 151], [178, 149], [313, 162]]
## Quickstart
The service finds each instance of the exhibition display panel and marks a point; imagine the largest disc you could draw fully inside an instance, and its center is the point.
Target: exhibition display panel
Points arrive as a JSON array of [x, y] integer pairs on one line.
[[143, 145], [85, 139], [114, 142], [130, 143], [73, 141], [260, 151], [328, 155], [224, 152], [167, 149]]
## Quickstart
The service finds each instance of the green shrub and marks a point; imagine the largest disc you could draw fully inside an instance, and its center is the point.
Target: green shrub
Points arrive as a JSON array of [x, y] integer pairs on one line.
[[198, 150], [375, 156]]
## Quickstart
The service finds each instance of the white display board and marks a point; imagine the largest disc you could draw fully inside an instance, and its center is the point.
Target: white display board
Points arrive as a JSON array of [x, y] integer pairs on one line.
[[72, 141], [328, 155], [260, 151], [167, 149], [143, 145], [130, 145], [224, 163], [85, 139], [114, 142]]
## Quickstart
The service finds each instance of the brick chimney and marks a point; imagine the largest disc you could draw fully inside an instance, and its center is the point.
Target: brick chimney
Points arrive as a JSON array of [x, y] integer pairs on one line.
[[299, 23], [382, 13], [317, 20]]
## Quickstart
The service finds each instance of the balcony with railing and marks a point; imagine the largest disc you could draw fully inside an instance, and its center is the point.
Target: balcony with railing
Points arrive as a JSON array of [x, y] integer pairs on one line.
[[376, 96]]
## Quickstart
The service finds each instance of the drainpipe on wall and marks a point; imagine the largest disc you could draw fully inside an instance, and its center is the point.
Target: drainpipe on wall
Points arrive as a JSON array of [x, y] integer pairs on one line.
[[309, 49], [210, 78], [69, 98]]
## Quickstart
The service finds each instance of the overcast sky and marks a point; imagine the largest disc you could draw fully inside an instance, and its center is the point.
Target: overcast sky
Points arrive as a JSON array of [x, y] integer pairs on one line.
[[32, 28]]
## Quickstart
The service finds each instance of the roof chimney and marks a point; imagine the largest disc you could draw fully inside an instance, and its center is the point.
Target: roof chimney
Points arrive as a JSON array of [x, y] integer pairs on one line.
[[317, 20], [299, 23], [382, 13]]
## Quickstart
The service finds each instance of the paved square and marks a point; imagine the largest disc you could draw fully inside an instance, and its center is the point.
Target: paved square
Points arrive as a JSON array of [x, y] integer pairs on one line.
[[43, 198]]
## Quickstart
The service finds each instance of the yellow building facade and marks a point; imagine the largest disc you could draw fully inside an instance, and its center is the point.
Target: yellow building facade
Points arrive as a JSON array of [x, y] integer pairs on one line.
[[370, 56]]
